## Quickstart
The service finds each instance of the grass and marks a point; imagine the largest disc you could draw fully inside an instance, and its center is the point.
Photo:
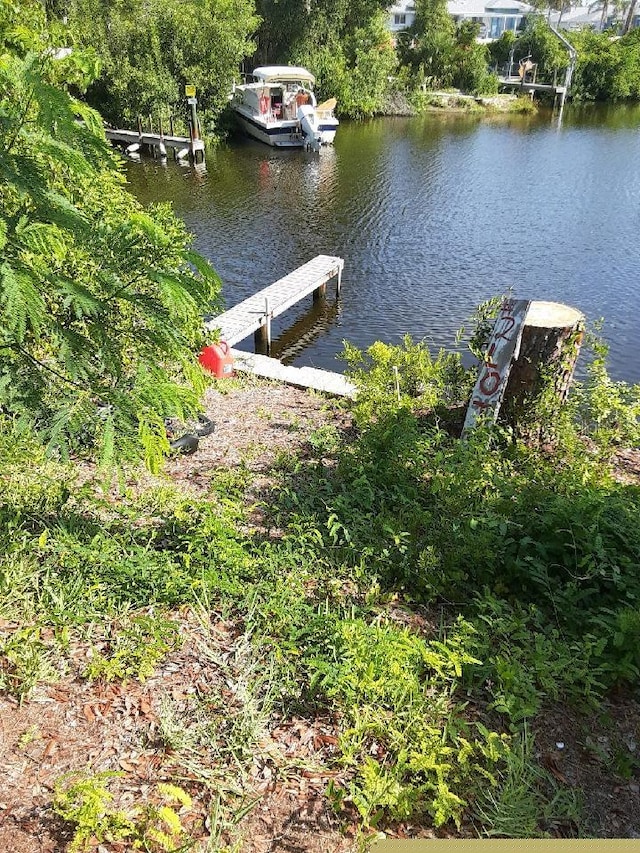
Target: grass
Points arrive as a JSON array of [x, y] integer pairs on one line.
[[431, 596]]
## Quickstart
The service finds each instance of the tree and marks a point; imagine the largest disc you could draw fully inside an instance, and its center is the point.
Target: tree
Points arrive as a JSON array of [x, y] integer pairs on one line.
[[435, 34], [100, 301], [606, 69], [347, 45], [150, 50], [630, 16]]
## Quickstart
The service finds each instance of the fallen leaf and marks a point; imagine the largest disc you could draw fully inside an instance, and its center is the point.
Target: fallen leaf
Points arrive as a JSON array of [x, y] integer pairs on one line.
[[50, 748], [551, 764]]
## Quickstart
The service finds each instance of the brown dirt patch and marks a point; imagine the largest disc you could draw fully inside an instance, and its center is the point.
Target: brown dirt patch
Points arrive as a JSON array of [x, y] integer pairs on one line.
[[152, 731]]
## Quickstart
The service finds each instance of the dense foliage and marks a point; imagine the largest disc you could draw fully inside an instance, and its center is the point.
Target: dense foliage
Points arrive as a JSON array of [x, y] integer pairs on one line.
[[435, 53], [607, 69], [432, 595], [149, 51], [100, 308]]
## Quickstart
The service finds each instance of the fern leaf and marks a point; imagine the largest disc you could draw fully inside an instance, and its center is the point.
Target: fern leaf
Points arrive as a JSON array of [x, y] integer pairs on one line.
[[22, 303], [107, 444], [44, 239], [203, 266], [80, 299]]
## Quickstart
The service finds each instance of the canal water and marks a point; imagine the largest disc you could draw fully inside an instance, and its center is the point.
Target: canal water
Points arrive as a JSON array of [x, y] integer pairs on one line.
[[432, 215]]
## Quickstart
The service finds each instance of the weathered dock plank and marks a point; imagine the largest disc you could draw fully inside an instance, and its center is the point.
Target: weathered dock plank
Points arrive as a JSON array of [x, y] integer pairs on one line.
[[131, 137], [258, 310], [302, 377]]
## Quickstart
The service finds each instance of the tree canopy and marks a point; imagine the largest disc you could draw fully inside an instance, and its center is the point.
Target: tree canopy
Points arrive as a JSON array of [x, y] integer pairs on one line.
[[100, 301], [149, 51]]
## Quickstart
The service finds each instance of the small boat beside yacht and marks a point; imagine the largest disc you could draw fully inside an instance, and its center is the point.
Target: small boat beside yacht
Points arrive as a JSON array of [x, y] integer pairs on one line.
[[278, 107]]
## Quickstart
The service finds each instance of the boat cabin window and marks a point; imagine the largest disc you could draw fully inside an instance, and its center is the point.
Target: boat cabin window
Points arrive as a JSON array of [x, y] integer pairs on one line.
[[276, 101]]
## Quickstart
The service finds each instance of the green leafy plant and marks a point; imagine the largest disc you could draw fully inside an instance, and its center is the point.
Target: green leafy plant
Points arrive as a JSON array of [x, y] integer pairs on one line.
[[100, 301], [136, 648], [25, 661], [527, 802], [85, 801]]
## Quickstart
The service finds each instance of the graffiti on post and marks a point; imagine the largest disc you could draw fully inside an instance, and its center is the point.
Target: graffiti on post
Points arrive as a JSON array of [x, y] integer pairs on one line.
[[503, 349]]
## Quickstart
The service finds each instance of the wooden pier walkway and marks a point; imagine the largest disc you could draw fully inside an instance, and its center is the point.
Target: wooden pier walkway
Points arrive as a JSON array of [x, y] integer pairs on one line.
[[302, 377], [156, 140], [254, 315], [517, 83]]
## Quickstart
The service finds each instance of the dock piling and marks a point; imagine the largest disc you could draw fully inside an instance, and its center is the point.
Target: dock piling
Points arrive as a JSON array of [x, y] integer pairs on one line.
[[254, 315], [320, 293]]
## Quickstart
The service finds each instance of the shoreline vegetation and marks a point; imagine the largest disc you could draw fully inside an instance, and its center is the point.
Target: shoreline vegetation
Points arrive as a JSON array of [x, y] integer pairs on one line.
[[143, 60], [334, 620], [455, 101], [323, 626]]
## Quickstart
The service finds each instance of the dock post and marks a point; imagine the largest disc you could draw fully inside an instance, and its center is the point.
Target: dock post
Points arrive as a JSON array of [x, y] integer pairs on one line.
[[267, 323], [162, 148], [320, 293], [339, 281], [172, 133], [262, 336], [194, 132]]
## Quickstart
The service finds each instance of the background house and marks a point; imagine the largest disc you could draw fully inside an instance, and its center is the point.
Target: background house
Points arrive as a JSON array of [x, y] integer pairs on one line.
[[597, 16], [494, 16]]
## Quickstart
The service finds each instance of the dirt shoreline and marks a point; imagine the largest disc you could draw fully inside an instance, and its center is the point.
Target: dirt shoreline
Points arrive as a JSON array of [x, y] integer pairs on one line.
[[74, 724]]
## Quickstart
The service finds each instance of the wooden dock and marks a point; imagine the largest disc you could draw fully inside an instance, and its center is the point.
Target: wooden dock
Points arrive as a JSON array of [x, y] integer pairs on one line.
[[162, 142], [542, 88], [301, 377], [254, 315]]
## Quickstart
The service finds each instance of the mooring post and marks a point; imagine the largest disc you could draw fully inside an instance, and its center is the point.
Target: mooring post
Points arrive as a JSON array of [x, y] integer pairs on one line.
[[140, 128], [267, 322], [194, 134], [339, 281], [262, 335], [172, 133], [162, 148], [320, 293]]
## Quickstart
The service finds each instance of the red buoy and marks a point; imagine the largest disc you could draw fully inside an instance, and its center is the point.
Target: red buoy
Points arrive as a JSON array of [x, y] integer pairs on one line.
[[217, 359]]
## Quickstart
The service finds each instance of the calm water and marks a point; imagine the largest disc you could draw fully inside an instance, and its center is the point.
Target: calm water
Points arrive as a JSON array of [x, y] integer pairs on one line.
[[432, 215]]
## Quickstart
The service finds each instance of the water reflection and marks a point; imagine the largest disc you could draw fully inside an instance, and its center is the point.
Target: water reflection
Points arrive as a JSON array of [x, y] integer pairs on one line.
[[432, 215]]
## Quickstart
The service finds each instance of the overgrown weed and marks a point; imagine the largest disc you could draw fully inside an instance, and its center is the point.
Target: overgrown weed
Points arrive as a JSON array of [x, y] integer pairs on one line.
[[525, 558]]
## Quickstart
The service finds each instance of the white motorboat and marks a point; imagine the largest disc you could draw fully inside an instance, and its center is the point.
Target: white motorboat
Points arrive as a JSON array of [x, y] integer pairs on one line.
[[278, 107]]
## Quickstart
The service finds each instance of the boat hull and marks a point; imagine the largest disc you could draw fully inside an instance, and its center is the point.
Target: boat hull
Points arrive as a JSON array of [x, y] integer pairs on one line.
[[282, 134], [278, 134]]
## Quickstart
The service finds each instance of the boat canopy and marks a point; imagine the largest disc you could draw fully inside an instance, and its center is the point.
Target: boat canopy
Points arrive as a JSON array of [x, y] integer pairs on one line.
[[283, 74]]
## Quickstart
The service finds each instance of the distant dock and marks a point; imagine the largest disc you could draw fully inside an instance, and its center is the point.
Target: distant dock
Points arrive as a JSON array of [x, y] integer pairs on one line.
[[163, 142], [515, 82], [190, 146], [253, 316]]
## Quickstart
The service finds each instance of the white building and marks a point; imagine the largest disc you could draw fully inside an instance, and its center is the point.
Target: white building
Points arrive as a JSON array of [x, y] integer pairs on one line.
[[494, 16], [592, 17]]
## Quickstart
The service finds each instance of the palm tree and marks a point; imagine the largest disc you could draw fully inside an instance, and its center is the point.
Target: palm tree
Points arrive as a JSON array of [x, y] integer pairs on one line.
[[630, 17], [618, 6]]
